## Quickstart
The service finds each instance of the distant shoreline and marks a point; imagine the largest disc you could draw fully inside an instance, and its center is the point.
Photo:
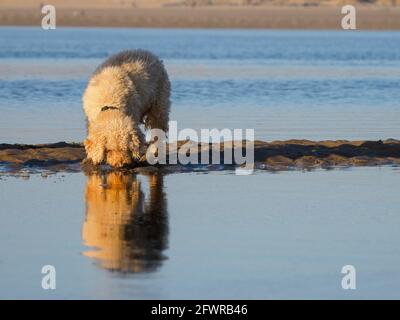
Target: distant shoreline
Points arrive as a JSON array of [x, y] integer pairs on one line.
[[274, 17]]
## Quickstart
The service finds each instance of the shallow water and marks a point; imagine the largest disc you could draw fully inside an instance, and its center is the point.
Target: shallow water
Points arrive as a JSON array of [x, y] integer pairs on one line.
[[284, 84], [205, 235], [213, 235]]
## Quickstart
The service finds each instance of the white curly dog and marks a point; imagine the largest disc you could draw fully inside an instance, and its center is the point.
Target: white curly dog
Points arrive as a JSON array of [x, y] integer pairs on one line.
[[128, 89]]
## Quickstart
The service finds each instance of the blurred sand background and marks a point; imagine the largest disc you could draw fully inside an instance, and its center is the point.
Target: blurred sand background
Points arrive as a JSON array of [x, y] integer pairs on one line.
[[274, 14]]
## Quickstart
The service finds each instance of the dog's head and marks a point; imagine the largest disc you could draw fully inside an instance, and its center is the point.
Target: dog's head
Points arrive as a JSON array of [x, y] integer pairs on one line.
[[113, 139]]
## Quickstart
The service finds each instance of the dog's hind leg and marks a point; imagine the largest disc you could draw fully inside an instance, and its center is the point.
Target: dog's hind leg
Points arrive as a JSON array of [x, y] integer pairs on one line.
[[156, 119], [158, 115]]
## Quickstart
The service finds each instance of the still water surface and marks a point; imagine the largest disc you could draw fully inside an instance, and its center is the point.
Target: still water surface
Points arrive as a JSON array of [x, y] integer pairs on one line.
[[212, 235]]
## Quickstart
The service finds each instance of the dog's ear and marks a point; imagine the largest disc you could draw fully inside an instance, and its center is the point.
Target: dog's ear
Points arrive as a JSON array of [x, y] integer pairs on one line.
[[134, 146]]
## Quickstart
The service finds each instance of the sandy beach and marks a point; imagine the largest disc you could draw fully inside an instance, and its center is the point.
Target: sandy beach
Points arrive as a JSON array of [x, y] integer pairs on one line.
[[276, 155], [154, 15]]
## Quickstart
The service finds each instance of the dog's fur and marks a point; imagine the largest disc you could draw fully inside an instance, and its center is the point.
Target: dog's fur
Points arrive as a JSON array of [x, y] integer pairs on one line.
[[128, 89]]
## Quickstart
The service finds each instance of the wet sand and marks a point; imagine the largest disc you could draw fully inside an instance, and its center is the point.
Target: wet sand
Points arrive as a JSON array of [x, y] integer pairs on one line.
[[259, 17], [273, 156]]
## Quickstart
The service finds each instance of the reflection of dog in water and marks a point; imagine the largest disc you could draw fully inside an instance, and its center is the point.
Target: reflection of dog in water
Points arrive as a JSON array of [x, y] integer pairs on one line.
[[129, 234]]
